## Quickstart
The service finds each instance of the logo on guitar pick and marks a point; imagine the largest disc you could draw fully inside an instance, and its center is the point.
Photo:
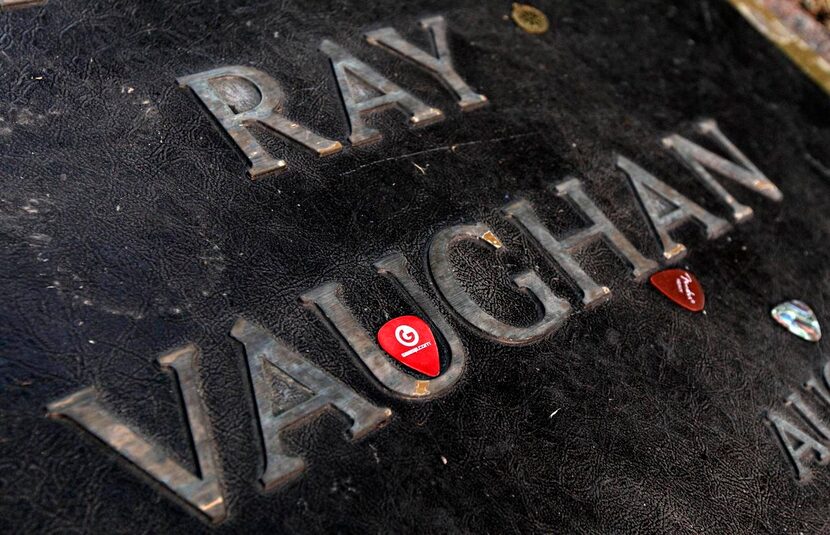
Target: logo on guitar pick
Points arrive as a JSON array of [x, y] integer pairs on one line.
[[409, 340], [681, 287], [406, 335]]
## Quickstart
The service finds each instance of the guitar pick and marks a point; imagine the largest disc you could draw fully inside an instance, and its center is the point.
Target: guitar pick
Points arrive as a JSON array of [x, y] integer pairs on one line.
[[681, 287], [799, 319], [409, 340]]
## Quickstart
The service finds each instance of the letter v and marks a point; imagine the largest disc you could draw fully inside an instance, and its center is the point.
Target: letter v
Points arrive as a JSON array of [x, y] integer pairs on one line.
[[204, 491]]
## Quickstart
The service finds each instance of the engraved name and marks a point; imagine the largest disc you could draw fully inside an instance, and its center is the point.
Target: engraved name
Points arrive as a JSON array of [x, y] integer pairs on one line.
[[271, 361], [802, 434], [223, 92]]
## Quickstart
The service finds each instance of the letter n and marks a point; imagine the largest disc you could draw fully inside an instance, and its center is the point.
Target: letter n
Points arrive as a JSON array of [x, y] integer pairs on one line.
[[699, 159]]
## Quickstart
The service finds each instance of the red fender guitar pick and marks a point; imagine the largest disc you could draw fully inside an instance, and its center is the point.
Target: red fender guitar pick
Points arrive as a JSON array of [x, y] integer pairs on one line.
[[410, 341], [681, 287]]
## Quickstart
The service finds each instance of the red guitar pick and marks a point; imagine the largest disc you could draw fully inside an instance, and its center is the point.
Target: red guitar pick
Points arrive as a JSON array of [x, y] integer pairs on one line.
[[681, 287], [409, 340]]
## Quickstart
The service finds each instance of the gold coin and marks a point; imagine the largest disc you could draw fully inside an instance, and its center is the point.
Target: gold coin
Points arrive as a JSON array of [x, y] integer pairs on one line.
[[529, 19]]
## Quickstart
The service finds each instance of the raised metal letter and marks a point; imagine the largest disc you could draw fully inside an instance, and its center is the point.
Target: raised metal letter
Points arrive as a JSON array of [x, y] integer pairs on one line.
[[236, 105], [359, 84], [328, 303], [303, 391], [555, 310], [440, 67], [204, 493], [807, 445], [815, 387], [9, 5], [698, 159], [522, 214], [667, 209], [808, 414]]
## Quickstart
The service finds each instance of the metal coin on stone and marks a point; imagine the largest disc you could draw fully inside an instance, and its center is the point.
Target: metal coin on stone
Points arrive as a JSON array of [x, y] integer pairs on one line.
[[799, 319], [529, 18]]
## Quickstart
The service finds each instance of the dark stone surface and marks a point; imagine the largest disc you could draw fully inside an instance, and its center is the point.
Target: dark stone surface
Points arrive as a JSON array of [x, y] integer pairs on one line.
[[128, 227]]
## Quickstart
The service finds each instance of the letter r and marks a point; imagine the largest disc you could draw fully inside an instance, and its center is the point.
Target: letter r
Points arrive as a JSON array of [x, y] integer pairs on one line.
[[222, 90]]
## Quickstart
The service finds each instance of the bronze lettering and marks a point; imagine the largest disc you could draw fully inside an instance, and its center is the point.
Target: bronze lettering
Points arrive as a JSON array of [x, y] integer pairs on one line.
[[359, 84], [439, 64], [654, 196], [304, 391], [699, 159], [561, 252], [203, 492], [241, 96]]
